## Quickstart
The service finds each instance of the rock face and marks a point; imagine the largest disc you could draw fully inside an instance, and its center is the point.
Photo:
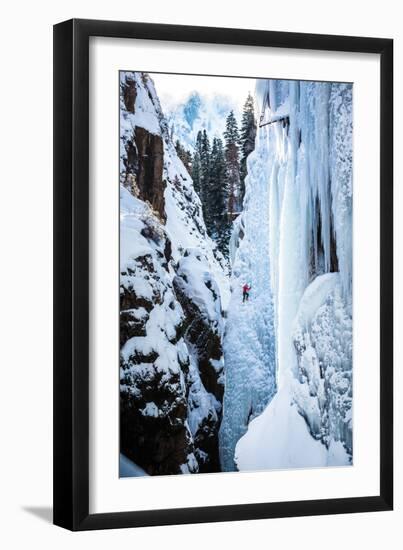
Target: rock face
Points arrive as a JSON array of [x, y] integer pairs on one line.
[[144, 163], [150, 162], [171, 288], [129, 93], [203, 337], [154, 363]]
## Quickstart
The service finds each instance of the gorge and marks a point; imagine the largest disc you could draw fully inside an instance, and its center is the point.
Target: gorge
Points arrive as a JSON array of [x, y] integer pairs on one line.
[[209, 383]]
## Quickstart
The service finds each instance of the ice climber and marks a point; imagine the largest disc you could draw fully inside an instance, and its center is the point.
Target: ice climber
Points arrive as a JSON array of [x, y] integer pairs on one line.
[[246, 288]]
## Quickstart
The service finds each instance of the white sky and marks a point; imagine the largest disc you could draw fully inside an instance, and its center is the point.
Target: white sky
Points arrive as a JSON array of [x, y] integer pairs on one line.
[[173, 89]]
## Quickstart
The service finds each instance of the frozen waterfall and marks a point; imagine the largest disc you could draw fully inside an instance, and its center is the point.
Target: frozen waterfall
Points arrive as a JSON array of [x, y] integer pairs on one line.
[[288, 351], [249, 344]]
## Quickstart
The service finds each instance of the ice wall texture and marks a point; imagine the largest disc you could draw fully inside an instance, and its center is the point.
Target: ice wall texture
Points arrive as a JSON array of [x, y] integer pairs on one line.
[[249, 341], [306, 164], [172, 288]]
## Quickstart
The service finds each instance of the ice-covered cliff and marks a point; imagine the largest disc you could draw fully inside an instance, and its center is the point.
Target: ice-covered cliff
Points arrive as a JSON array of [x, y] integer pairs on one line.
[[172, 291], [301, 303], [249, 342]]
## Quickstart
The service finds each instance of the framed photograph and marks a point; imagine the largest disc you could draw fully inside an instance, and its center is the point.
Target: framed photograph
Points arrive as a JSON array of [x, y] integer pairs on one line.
[[223, 320]]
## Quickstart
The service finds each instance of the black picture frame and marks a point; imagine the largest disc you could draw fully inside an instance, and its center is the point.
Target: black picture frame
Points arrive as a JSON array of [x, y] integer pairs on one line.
[[71, 274]]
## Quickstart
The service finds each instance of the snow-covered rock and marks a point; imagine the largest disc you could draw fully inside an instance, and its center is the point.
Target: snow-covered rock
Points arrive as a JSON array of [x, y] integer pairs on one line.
[[172, 288]]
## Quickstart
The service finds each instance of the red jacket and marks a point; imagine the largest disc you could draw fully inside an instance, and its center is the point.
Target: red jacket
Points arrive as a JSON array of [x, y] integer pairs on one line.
[[246, 288]]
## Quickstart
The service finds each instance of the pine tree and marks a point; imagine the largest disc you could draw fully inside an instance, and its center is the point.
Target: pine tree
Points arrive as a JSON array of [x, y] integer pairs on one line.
[[219, 228], [210, 179], [205, 173], [247, 139], [199, 142], [184, 155], [214, 190], [187, 161], [231, 136], [196, 165]]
